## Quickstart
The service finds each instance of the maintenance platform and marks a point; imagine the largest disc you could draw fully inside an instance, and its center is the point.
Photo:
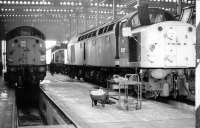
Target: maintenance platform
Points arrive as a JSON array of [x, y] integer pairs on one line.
[[73, 98]]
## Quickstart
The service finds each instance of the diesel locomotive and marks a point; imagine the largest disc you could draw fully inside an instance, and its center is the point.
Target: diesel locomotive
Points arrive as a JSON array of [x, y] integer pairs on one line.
[[25, 56], [59, 59], [150, 42]]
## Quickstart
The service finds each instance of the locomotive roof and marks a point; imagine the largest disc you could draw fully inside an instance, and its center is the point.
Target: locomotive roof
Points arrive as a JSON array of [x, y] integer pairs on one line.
[[120, 19], [24, 31]]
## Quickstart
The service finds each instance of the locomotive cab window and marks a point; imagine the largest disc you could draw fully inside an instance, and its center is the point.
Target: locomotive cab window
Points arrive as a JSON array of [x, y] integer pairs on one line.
[[25, 32], [135, 22], [156, 16], [110, 27]]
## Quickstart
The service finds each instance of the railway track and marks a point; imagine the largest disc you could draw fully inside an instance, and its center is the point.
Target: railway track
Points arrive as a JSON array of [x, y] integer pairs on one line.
[[36, 111]]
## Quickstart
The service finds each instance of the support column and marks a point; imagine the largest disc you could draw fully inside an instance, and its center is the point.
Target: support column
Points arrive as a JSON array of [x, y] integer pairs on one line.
[[77, 22], [179, 6], [114, 10], [97, 16], [70, 25], [86, 5]]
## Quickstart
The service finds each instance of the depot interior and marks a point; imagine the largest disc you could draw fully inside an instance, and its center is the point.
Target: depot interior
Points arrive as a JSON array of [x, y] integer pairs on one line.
[[62, 19]]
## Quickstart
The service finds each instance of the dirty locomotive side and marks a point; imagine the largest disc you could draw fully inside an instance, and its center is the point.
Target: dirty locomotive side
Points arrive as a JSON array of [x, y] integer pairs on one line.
[[25, 56], [151, 43]]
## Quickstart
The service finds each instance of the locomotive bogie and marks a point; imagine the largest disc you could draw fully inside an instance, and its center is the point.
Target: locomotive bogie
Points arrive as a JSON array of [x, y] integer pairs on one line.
[[169, 82]]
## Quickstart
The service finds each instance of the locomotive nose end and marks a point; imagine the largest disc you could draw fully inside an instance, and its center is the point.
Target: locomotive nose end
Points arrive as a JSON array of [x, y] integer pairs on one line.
[[171, 34]]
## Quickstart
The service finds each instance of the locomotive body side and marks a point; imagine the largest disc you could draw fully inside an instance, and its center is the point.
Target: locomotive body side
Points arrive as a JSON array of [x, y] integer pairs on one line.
[[162, 52], [26, 56], [100, 51]]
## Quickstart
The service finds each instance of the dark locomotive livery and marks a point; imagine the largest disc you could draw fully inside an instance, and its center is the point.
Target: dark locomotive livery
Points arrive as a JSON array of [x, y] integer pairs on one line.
[[25, 56], [59, 59], [149, 42]]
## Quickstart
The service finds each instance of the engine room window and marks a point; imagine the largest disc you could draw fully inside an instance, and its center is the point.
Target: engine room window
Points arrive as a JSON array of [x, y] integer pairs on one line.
[[105, 29], [11, 52], [90, 35], [110, 27], [94, 33], [100, 31]]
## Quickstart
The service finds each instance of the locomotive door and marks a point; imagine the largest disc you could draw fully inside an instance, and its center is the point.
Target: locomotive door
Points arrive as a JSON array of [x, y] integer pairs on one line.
[[123, 45], [133, 45]]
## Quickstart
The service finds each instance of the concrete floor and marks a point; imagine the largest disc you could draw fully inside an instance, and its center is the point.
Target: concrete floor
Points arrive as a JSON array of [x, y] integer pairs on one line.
[[7, 103], [73, 98]]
